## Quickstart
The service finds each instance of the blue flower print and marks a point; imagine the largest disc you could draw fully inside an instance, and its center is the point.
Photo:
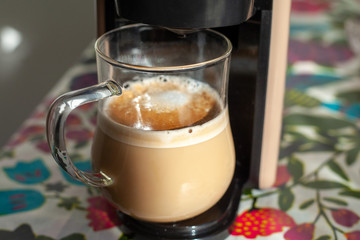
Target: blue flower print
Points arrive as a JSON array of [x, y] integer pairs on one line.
[[28, 172], [83, 166], [20, 200]]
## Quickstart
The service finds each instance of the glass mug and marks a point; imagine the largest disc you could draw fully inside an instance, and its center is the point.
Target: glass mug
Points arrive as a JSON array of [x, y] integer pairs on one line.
[[163, 149]]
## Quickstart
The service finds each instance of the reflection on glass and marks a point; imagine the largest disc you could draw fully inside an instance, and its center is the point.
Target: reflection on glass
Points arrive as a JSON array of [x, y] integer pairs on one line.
[[10, 39]]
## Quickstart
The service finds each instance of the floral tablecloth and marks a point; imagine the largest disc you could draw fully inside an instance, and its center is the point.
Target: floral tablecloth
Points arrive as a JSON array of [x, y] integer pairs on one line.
[[317, 191]]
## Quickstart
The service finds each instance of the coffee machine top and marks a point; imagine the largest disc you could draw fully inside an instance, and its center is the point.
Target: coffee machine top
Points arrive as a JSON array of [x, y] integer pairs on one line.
[[186, 14]]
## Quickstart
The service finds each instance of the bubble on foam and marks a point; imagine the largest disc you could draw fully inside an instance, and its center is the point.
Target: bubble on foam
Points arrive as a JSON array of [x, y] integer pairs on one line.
[[169, 100]]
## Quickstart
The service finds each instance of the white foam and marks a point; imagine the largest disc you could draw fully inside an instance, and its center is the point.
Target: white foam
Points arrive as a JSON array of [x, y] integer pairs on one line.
[[163, 139], [186, 84], [168, 100]]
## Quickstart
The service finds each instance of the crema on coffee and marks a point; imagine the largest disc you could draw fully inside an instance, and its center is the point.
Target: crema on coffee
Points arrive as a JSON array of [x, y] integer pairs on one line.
[[166, 143], [164, 103]]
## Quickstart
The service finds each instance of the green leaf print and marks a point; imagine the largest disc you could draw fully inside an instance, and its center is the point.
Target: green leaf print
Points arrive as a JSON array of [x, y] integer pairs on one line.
[[324, 237], [41, 237], [338, 170], [286, 199], [350, 96], [296, 97], [75, 236], [350, 193], [317, 147], [81, 144], [295, 168], [124, 237], [290, 149], [69, 203], [307, 204], [351, 156], [7, 154], [321, 122], [336, 201], [324, 184]]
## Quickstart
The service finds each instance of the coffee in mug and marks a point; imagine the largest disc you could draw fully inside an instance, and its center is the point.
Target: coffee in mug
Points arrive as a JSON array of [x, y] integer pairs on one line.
[[162, 149], [167, 145]]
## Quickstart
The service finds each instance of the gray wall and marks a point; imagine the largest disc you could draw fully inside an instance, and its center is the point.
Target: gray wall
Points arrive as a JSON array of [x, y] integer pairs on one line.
[[54, 34]]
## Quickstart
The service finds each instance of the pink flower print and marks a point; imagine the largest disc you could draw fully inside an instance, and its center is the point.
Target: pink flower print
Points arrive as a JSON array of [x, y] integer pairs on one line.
[[49, 101], [303, 231], [84, 80], [282, 176], [93, 120], [38, 115], [345, 217], [32, 130], [26, 133], [353, 235], [15, 141], [79, 135], [318, 52], [73, 120], [43, 146], [87, 106], [310, 6], [102, 214], [260, 222]]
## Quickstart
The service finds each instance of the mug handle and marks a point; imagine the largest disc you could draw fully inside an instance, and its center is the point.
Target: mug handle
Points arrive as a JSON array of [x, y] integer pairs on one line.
[[55, 128]]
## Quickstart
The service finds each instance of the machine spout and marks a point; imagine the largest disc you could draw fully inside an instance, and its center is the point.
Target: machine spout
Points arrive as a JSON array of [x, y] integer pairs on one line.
[[183, 31]]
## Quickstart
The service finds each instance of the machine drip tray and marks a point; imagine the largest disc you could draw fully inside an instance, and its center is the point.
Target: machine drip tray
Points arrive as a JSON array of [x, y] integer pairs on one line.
[[212, 224]]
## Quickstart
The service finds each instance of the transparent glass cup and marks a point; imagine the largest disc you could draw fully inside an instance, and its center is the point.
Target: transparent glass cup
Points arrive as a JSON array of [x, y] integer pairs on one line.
[[163, 149]]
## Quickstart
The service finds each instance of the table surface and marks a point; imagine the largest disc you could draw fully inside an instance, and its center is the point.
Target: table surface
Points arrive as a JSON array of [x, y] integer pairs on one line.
[[317, 191]]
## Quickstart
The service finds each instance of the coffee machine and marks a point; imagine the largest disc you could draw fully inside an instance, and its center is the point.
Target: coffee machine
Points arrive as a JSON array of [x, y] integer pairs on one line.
[[258, 30]]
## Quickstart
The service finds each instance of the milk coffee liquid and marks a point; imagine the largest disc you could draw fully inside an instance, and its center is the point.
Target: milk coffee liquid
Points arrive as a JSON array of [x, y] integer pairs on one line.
[[174, 168]]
